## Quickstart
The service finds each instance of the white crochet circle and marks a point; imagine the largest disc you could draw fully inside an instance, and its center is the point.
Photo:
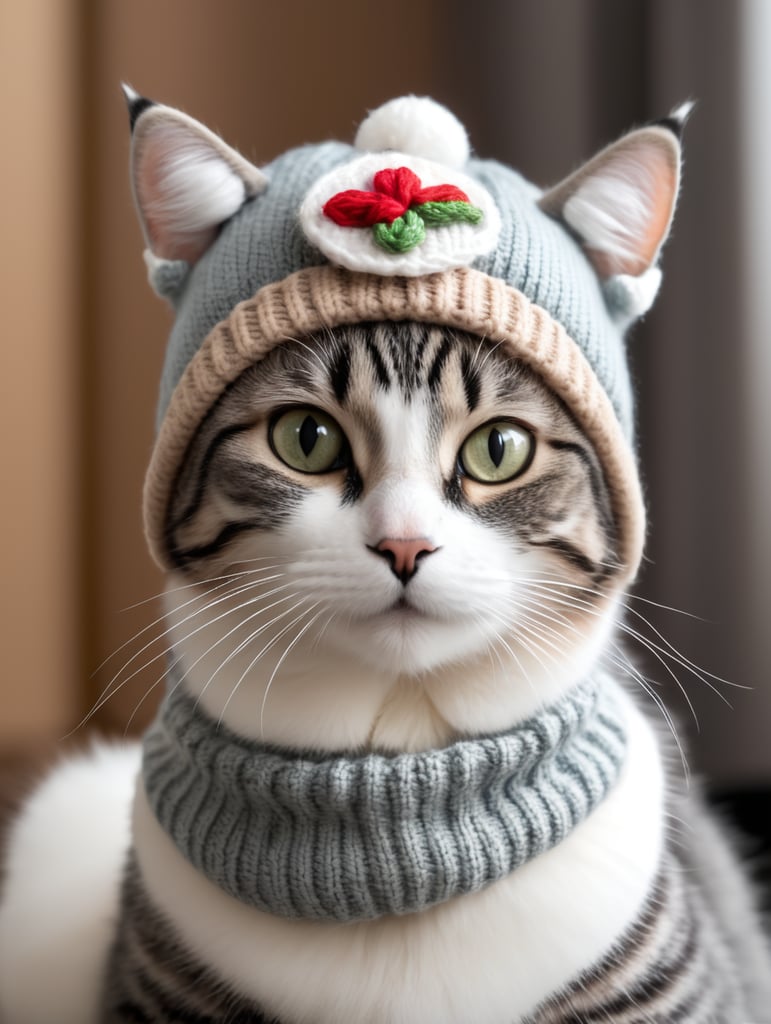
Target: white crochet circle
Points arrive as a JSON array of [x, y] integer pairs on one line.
[[451, 245], [416, 125]]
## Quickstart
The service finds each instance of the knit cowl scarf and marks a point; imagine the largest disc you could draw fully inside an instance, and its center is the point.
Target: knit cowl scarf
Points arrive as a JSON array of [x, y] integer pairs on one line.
[[353, 836]]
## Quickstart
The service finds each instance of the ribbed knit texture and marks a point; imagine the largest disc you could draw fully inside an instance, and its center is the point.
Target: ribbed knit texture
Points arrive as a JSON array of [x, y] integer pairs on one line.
[[352, 837]]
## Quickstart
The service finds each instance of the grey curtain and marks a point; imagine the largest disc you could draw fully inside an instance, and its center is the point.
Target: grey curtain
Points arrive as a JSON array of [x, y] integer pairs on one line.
[[546, 84]]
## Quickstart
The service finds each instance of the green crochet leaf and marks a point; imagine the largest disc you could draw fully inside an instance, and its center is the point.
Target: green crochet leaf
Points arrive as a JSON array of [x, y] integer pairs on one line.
[[401, 235], [434, 215]]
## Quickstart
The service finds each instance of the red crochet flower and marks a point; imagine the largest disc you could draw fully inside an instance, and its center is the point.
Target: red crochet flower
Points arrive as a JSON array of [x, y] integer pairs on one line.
[[396, 190], [400, 209]]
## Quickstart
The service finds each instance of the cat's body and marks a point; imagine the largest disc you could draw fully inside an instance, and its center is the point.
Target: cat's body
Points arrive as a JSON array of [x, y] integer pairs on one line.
[[392, 551], [485, 960]]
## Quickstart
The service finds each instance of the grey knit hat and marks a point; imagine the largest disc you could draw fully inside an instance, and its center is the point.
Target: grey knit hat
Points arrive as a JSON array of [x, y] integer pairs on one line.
[[403, 224]]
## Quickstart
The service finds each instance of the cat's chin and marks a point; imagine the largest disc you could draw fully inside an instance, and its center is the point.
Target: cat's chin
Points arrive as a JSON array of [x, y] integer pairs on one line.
[[407, 640], [477, 682]]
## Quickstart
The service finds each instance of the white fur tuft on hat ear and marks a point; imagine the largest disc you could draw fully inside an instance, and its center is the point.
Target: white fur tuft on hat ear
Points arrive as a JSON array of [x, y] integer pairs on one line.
[[166, 277], [187, 181], [418, 126], [628, 297]]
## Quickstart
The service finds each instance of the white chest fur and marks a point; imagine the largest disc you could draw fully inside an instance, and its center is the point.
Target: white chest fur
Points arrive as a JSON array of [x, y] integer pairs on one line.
[[484, 958]]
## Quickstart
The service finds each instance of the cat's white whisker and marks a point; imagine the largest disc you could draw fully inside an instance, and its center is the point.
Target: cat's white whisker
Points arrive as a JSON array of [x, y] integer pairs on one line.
[[585, 607], [284, 656], [490, 351], [682, 823], [670, 671], [500, 640], [322, 631], [664, 711], [283, 560], [150, 625], [683, 660], [205, 581], [260, 654], [556, 653], [530, 625], [148, 692], [111, 689], [251, 636], [531, 646], [542, 639], [666, 608], [240, 625], [523, 606], [475, 364], [169, 671], [221, 581], [492, 650], [661, 653], [204, 596], [313, 355], [701, 673], [561, 581]]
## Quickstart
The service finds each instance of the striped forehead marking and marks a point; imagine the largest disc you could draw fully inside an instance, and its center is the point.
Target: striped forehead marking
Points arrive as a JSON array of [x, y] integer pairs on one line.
[[409, 358]]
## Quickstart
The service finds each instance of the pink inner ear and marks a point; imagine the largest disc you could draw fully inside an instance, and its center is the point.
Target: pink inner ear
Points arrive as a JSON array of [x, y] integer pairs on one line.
[[660, 192], [167, 238], [620, 204], [634, 194], [665, 178]]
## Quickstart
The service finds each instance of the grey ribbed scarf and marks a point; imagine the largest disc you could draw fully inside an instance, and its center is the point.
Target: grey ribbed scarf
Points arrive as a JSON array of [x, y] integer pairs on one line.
[[346, 837]]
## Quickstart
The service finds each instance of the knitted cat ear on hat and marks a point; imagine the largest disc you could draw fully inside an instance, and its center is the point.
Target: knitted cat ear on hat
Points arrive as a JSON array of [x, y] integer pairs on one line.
[[620, 205], [186, 183], [404, 224]]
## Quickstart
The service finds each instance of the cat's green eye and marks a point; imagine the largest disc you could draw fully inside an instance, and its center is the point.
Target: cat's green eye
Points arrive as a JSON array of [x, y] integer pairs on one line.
[[308, 440], [496, 452]]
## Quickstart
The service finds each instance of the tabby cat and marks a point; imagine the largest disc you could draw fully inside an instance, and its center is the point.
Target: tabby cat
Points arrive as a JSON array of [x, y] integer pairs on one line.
[[400, 775]]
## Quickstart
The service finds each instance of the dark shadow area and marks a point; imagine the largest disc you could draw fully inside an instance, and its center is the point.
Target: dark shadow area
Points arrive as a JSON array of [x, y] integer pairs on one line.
[[749, 810]]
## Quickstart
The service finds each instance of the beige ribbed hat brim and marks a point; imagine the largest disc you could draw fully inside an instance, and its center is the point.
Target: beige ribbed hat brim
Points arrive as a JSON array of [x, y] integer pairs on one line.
[[324, 296]]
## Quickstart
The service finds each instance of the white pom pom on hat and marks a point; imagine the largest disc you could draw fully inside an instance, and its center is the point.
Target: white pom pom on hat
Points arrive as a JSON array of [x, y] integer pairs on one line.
[[418, 126]]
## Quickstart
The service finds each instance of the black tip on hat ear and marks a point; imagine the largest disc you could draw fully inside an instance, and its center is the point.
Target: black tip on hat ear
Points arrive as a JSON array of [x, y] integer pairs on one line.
[[136, 104], [677, 119]]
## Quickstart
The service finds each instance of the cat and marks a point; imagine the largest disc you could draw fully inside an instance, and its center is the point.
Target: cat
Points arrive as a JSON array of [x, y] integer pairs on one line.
[[399, 774]]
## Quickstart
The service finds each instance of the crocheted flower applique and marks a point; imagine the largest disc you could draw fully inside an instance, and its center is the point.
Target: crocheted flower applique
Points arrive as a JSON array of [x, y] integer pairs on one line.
[[399, 209], [389, 213]]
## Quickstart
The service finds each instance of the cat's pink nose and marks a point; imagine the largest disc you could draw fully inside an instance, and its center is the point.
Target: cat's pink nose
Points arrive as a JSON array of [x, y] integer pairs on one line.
[[403, 555]]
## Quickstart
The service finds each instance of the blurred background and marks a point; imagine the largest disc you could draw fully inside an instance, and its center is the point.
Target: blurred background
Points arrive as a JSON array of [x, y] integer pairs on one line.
[[541, 85]]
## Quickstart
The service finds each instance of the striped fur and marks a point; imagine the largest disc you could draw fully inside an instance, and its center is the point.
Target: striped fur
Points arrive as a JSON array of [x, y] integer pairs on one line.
[[664, 970], [152, 978], [672, 966]]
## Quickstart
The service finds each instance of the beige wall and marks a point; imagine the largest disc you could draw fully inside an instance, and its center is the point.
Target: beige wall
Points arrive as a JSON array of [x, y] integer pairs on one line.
[[87, 358], [39, 296]]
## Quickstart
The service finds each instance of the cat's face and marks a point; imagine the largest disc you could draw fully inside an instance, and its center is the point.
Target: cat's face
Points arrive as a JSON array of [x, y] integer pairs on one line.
[[398, 496]]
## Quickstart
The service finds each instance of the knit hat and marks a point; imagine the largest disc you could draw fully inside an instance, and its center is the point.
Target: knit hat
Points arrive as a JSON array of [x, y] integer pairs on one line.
[[403, 224]]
